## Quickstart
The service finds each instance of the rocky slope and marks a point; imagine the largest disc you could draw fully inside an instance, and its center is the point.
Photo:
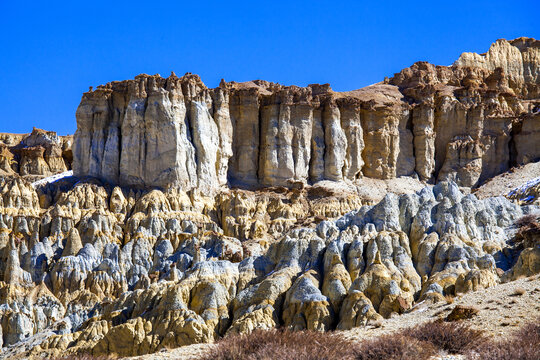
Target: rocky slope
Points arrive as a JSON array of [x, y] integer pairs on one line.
[[35, 155], [467, 123], [108, 271], [196, 213], [502, 309]]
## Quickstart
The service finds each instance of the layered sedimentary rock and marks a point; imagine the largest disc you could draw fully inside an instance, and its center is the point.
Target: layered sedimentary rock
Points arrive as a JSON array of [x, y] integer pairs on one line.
[[38, 154], [466, 122]]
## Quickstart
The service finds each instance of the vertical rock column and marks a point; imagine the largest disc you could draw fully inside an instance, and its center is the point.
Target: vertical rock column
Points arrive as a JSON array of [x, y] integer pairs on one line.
[[424, 140], [335, 142], [286, 131], [318, 146], [381, 137], [352, 127], [92, 122], [244, 110], [133, 140], [222, 118], [301, 121]]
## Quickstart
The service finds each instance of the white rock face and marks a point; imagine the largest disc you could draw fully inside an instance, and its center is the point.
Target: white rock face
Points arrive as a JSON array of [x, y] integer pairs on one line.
[[141, 134], [464, 123]]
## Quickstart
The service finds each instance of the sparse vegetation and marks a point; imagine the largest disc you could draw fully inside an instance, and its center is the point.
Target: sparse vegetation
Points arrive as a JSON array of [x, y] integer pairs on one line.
[[454, 337], [394, 347], [419, 343], [528, 234], [282, 345], [523, 345], [83, 357], [461, 312]]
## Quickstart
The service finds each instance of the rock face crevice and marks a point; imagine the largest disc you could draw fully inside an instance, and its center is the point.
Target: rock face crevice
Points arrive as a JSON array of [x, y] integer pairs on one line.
[[436, 122]]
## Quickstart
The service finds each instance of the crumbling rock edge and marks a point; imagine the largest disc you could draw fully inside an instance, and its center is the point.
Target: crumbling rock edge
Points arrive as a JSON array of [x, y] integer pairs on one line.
[[467, 123]]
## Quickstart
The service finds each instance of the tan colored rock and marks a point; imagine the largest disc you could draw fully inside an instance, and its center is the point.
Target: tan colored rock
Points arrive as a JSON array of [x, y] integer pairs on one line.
[[33, 162], [38, 154], [160, 251], [73, 243], [6, 160], [384, 289], [516, 57], [424, 140], [475, 280], [357, 310], [305, 308], [527, 264], [443, 123], [526, 140], [463, 163]]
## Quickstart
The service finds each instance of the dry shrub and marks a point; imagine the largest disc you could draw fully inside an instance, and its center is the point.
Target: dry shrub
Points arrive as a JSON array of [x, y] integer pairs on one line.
[[317, 192], [394, 347], [454, 337], [419, 343], [282, 345], [526, 221], [523, 345], [83, 357], [462, 312]]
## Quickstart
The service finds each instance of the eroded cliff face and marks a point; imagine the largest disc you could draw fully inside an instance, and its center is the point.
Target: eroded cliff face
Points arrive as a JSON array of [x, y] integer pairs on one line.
[[275, 206], [466, 123], [35, 155], [109, 270]]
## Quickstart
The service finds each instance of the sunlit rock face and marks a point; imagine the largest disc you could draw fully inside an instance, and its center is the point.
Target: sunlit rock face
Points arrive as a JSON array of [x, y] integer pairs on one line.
[[115, 270], [466, 122], [195, 213], [35, 155]]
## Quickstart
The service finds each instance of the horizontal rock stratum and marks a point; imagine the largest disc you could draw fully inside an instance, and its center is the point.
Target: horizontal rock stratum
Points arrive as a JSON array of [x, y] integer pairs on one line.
[[466, 122]]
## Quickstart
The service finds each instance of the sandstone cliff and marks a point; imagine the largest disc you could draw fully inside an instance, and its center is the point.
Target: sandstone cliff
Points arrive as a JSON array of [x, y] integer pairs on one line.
[[466, 123], [253, 205]]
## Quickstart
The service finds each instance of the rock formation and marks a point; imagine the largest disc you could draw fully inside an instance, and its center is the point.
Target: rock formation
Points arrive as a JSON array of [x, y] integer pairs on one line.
[[110, 270], [35, 155], [197, 213], [466, 122]]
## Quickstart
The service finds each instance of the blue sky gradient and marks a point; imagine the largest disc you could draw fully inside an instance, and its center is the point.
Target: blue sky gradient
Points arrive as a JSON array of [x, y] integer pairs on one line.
[[51, 52]]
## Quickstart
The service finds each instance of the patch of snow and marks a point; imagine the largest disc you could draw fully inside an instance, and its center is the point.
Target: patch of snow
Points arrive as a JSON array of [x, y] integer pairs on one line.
[[51, 179], [523, 188]]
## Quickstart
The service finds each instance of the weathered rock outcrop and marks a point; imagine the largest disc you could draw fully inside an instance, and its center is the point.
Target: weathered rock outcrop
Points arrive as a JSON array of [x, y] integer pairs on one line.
[[466, 122], [110, 270], [36, 155], [254, 205]]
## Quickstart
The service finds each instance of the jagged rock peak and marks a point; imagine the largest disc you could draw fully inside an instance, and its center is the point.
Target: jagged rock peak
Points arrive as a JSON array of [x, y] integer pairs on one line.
[[518, 58]]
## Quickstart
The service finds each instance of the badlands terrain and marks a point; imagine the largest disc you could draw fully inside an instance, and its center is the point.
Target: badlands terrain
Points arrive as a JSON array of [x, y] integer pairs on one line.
[[177, 214]]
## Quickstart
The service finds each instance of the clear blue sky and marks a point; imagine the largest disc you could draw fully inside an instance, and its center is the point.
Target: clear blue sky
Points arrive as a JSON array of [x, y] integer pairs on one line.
[[53, 51]]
